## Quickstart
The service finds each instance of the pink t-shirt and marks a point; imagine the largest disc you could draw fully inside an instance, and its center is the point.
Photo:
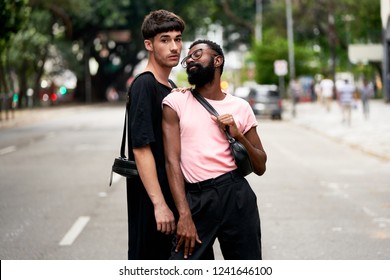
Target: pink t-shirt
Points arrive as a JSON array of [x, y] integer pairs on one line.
[[205, 151]]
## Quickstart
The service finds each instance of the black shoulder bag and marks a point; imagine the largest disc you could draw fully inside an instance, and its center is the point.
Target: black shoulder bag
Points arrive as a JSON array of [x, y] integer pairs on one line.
[[239, 152]]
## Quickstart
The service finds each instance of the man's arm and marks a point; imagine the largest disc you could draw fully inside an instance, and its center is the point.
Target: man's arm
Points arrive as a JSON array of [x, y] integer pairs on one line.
[[250, 140], [252, 143], [186, 232], [147, 171]]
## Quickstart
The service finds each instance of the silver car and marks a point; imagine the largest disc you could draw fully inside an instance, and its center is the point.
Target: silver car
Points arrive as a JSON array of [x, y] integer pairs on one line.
[[265, 100]]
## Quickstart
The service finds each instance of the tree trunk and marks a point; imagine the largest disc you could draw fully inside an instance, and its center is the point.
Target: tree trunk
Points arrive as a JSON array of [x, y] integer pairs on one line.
[[38, 76], [23, 86], [4, 90]]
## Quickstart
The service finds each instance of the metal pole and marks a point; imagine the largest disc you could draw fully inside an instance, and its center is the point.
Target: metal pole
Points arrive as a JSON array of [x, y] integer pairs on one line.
[[88, 81], [290, 36], [385, 68], [282, 87], [259, 16]]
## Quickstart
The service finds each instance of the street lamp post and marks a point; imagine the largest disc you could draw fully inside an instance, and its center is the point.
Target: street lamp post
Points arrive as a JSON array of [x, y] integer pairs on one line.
[[259, 15], [347, 19], [290, 36]]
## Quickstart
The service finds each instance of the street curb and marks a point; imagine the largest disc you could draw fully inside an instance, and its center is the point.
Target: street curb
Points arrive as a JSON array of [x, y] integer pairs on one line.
[[341, 140], [21, 117]]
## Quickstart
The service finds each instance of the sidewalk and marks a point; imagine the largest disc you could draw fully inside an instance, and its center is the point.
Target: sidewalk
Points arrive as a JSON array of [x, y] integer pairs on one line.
[[28, 116], [371, 136]]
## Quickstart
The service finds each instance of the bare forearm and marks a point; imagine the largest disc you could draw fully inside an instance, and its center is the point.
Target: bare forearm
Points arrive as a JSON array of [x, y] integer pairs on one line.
[[176, 183], [147, 171], [256, 152]]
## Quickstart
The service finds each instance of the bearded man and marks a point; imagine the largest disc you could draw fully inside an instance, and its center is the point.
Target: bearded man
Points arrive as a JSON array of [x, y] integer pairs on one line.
[[212, 198]]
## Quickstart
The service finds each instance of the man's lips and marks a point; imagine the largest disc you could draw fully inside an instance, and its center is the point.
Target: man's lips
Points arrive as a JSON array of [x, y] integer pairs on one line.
[[175, 57], [191, 66]]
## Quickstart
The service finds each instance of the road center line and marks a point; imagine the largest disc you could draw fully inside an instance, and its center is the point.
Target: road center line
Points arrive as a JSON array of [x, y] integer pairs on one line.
[[74, 231], [7, 150]]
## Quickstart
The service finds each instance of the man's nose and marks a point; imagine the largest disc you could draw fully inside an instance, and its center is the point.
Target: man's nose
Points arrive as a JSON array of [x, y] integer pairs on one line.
[[174, 46]]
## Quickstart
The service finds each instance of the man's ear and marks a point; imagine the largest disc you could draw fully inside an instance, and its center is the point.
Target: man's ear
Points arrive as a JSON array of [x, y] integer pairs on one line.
[[148, 45], [218, 61]]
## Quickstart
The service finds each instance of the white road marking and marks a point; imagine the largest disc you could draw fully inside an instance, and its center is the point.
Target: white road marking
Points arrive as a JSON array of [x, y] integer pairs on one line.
[[368, 212], [7, 150], [74, 231], [102, 194]]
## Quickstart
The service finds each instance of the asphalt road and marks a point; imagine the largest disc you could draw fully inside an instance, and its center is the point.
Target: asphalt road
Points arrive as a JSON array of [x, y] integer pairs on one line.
[[319, 198]]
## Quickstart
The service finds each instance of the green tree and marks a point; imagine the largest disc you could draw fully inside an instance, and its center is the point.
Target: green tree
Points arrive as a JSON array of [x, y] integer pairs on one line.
[[332, 25], [13, 16], [29, 53], [46, 24], [85, 28], [275, 48]]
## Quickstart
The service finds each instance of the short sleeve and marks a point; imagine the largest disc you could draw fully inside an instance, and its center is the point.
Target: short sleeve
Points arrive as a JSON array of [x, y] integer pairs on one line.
[[142, 96]]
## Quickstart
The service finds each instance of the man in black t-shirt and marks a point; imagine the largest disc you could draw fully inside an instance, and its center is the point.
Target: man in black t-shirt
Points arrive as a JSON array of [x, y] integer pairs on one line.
[[151, 211]]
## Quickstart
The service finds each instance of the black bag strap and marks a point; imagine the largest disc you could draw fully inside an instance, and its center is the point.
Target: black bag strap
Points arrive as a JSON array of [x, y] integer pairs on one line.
[[123, 145], [212, 111]]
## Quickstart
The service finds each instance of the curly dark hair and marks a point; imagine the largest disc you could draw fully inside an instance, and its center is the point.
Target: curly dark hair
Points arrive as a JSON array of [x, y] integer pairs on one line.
[[160, 21], [212, 45]]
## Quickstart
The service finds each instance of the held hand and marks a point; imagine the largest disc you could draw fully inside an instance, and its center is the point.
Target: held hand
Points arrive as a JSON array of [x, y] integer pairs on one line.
[[182, 90], [187, 236], [227, 120], [164, 219]]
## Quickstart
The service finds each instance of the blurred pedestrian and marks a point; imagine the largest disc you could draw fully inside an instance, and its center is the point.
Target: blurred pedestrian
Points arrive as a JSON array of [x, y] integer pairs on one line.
[[327, 89], [312, 90], [366, 91], [295, 92], [213, 199], [346, 92], [150, 206]]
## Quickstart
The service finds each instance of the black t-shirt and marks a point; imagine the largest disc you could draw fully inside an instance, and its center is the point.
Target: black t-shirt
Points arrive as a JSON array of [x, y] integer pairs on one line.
[[145, 119]]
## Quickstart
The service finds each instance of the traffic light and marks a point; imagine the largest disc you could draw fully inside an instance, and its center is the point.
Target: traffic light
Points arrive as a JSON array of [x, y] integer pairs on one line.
[[53, 97], [63, 90]]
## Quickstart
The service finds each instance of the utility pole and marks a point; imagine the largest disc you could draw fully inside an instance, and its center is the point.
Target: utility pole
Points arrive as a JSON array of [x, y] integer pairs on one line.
[[332, 39], [259, 19], [290, 36]]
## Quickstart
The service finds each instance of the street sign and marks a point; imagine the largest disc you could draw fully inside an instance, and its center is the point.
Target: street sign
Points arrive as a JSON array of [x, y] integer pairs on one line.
[[280, 67]]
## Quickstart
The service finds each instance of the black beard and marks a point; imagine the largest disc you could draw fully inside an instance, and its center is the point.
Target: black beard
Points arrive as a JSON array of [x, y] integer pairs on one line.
[[199, 75]]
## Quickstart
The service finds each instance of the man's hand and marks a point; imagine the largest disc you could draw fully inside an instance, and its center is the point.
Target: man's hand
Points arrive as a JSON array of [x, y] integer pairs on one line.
[[187, 235], [227, 121], [164, 219], [182, 90]]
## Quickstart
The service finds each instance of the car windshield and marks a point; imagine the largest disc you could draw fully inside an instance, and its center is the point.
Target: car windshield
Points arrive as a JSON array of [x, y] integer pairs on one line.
[[263, 93]]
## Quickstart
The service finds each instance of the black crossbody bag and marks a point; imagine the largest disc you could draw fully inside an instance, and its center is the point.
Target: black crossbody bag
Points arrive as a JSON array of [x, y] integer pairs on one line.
[[239, 152]]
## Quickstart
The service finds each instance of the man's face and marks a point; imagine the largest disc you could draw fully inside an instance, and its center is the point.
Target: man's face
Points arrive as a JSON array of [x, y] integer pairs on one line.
[[167, 48], [201, 71]]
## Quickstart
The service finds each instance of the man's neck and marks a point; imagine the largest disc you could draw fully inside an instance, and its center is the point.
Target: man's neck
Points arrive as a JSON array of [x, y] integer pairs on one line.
[[160, 73], [211, 91]]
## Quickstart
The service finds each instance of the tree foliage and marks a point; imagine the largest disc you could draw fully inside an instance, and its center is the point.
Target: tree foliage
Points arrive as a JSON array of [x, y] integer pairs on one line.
[[13, 16], [325, 26], [276, 48], [78, 30]]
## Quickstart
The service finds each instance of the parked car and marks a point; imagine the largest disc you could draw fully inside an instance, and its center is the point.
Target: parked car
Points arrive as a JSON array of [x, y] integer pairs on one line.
[[265, 100]]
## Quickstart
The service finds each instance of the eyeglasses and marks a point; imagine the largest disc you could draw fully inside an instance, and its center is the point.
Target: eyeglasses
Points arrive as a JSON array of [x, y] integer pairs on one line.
[[195, 56]]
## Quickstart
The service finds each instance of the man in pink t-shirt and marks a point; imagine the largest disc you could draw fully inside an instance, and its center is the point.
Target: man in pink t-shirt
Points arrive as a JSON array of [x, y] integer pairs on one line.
[[213, 199]]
